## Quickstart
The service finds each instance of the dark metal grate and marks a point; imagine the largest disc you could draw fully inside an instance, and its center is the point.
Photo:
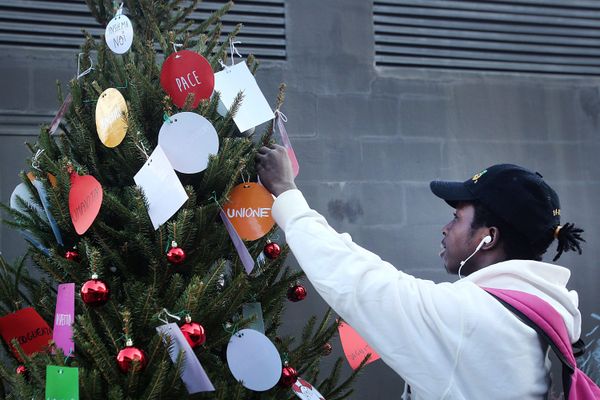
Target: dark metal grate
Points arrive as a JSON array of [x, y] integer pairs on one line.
[[56, 24], [533, 36]]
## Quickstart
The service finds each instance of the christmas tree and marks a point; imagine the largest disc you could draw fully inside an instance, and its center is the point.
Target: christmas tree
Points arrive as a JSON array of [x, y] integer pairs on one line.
[[140, 247]]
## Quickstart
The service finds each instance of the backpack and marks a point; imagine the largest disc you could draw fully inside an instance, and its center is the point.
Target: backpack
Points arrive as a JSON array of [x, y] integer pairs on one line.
[[549, 325]]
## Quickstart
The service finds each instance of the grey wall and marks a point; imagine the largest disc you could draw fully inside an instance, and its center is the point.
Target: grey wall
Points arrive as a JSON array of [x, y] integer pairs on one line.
[[370, 139]]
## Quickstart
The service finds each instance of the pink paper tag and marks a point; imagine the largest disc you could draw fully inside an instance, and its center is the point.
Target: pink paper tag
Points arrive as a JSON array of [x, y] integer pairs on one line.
[[355, 347], [85, 200], [61, 113], [287, 144], [64, 317], [238, 243]]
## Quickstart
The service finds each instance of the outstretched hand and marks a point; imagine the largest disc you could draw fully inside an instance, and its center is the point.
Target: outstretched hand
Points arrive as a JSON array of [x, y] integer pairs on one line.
[[275, 169]]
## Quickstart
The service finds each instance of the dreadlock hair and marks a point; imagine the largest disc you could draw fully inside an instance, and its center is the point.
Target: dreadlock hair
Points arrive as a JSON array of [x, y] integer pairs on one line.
[[517, 246]]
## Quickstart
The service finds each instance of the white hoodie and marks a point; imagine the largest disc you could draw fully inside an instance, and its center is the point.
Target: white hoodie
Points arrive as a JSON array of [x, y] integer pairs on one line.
[[447, 340]]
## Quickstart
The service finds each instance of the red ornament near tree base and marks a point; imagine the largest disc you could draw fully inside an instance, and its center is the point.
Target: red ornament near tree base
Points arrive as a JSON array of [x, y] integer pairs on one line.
[[131, 357], [289, 376], [272, 250], [193, 332], [72, 255], [296, 293], [94, 292], [175, 255]]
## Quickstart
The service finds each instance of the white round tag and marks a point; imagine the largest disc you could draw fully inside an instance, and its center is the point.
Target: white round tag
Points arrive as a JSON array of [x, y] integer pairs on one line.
[[119, 34], [188, 139], [253, 360]]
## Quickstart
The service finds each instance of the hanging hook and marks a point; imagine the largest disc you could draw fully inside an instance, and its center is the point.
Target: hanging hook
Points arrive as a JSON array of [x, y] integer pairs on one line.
[[87, 71], [233, 50], [35, 162]]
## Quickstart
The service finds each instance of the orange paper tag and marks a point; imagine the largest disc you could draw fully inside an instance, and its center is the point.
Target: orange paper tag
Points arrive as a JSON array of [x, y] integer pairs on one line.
[[28, 327], [85, 199], [51, 178], [355, 347], [249, 210]]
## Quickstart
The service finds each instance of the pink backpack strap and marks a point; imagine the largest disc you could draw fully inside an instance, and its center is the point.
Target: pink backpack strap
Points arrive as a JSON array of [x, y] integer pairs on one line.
[[549, 325], [542, 315]]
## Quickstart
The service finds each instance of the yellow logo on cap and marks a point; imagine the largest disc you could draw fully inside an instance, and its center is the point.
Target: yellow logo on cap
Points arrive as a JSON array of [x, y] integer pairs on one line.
[[479, 175], [556, 212]]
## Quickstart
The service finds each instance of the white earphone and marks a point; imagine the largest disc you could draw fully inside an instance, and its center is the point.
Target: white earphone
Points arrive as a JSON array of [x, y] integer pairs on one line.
[[485, 240]]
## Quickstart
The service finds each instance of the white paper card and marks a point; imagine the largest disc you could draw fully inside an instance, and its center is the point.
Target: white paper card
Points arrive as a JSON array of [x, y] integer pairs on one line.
[[161, 186], [22, 191], [193, 375], [254, 109], [119, 34], [254, 360], [306, 391], [188, 140]]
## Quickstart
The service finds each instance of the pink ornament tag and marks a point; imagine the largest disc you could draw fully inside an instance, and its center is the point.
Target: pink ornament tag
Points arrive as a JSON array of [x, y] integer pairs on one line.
[[280, 119], [64, 317], [193, 375], [238, 243], [60, 114], [85, 200], [355, 347]]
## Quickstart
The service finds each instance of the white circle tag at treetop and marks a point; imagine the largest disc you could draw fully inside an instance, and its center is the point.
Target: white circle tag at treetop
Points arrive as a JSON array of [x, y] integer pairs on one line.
[[188, 140], [253, 360], [119, 34]]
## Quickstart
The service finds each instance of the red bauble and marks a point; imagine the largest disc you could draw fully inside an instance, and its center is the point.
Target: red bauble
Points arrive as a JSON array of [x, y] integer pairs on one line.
[[327, 349], [272, 250], [127, 356], [193, 333], [72, 255], [94, 292], [175, 255], [21, 370], [296, 293], [289, 376]]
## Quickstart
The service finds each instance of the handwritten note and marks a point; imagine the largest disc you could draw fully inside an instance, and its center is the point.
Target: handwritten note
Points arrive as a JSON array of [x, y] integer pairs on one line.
[[355, 347]]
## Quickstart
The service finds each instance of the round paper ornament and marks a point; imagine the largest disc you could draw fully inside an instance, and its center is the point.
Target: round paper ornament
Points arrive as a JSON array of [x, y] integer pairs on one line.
[[23, 192], [111, 117], [85, 200], [185, 72], [249, 210], [119, 34], [253, 360], [188, 139]]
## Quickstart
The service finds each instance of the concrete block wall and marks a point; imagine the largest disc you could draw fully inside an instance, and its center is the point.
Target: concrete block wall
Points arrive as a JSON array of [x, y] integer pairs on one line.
[[370, 139]]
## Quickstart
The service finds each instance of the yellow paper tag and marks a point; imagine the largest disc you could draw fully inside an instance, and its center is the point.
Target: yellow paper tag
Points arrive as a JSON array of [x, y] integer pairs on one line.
[[111, 117]]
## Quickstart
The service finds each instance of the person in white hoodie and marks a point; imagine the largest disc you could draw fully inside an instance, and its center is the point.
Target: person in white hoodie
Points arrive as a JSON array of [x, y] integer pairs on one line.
[[446, 340]]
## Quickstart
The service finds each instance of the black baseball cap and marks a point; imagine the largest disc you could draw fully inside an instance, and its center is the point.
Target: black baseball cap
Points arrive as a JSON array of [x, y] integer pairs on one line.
[[517, 195]]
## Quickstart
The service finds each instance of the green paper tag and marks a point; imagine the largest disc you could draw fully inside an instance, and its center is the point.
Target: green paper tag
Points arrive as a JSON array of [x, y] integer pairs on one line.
[[250, 310], [62, 383]]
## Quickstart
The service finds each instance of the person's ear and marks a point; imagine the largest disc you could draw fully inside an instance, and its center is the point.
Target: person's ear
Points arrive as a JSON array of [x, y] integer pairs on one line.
[[494, 235]]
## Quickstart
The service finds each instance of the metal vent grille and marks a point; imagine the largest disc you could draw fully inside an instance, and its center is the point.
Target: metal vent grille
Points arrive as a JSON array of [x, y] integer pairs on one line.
[[54, 24], [533, 36]]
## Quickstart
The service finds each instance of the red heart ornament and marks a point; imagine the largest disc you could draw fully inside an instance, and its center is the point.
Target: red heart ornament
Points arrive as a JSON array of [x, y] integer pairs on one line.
[[85, 200]]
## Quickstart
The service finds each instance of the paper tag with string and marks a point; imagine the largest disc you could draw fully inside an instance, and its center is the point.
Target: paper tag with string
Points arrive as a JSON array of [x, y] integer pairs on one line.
[[193, 375], [119, 32], [62, 383], [238, 243], [254, 311], [64, 316], [306, 391], [254, 108], [280, 118], [44, 195], [60, 114]]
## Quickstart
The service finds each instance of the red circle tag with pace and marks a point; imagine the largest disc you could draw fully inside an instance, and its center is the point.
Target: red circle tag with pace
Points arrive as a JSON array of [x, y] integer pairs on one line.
[[249, 210], [185, 72]]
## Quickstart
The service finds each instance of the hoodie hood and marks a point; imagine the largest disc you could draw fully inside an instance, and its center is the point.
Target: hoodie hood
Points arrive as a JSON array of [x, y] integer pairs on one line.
[[547, 281]]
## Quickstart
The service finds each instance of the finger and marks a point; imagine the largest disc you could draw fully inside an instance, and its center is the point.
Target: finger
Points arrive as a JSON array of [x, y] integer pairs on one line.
[[263, 150]]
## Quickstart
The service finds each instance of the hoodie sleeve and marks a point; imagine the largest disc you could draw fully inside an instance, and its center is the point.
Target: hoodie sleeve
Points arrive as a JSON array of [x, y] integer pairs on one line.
[[415, 325]]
